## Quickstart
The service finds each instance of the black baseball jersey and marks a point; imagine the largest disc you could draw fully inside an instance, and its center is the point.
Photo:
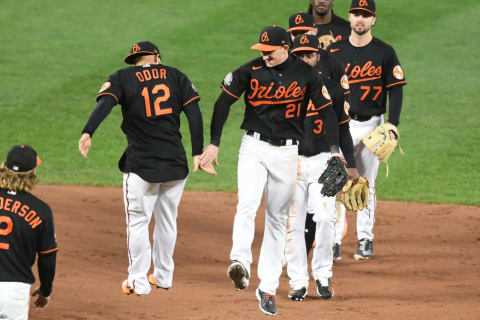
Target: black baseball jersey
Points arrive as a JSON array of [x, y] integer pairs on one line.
[[26, 227], [315, 141], [152, 98], [275, 97], [336, 30], [371, 71]]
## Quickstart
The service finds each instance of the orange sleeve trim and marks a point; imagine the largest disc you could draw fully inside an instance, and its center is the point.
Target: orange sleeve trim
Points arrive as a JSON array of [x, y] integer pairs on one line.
[[311, 114], [229, 92], [324, 106], [194, 98], [109, 93], [48, 251], [395, 84], [347, 92], [345, 121]]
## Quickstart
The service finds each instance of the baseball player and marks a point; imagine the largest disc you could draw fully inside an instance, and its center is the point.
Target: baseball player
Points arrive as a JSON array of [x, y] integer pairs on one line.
[[26, 228], [152, 96], [332, 69], [373, 70], [313, 156], [275, 87], [329, 27]]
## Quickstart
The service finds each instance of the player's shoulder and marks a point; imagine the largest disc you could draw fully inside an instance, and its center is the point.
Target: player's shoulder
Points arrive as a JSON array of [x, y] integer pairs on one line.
[[254, 64], [339, 21], [301, 65], [381, 44], [41, 206]]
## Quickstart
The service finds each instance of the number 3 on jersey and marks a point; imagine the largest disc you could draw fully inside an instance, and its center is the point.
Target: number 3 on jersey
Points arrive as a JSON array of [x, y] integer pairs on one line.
[[156, 103], [5, 230]]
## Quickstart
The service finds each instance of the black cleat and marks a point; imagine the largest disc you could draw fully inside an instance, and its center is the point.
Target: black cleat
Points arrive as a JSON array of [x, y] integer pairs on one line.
[[324, 289], [364, 250], [266, 302], [239, 275], [336, 252], [297, 295]]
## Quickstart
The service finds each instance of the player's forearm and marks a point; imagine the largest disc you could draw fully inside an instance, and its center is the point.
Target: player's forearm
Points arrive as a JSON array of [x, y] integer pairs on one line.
[[346, 144], [331, 127], [46, 272], [102, 110], [395, 97], [219, 117], [195, 123]]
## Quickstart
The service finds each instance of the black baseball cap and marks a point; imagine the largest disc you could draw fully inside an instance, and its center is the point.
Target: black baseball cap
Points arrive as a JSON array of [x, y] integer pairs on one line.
[[305, 42], [363, 5], [271, 38], [22, 158], [301, 21], [139, 49]]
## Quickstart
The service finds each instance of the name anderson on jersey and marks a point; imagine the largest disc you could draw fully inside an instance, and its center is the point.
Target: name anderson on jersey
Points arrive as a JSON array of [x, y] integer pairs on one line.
[[22, 210]]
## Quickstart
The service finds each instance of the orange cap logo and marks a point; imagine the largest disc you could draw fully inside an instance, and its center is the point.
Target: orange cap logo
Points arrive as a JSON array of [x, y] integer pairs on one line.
[[363, 3], [265, 37], [298, 19], [136, 48], [304, 39]]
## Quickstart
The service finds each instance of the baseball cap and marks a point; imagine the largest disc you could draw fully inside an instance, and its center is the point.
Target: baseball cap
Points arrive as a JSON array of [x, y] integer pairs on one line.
[[305, 42], [301, 21], [22, 158], [271, 38], [363, 5], [139, 49]]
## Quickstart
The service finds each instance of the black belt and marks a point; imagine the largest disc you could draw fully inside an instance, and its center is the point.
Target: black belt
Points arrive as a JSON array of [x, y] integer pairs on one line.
[[359, 117], [274, 142], [308, 154]]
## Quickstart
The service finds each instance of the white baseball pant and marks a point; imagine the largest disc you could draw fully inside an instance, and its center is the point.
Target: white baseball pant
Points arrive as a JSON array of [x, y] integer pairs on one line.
[[263, 166], [307, 195], [141, 199], [367, 166], [14, 300]]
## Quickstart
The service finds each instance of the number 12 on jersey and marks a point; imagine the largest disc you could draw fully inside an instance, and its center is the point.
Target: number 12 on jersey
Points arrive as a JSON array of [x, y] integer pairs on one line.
[[5, 230], [156, 103]]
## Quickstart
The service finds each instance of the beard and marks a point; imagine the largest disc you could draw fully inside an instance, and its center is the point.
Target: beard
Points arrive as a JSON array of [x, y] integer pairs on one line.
[[321, 14]]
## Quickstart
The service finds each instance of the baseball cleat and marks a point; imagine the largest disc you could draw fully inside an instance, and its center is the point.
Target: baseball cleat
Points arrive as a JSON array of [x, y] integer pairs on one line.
[[364, 250], [153, 282], [297, 295], [336, 252], [127, 289], [239, 275], [324, 289], [266, 302]]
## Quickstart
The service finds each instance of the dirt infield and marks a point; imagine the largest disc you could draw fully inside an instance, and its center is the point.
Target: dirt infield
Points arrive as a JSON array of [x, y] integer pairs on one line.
[[426, 264]]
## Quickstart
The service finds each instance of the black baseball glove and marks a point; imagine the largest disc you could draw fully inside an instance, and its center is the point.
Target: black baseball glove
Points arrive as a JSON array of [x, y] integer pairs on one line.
[[334, 177]]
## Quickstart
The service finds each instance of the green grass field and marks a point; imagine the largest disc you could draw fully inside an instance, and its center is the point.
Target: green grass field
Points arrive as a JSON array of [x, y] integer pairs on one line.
[[56, 55]]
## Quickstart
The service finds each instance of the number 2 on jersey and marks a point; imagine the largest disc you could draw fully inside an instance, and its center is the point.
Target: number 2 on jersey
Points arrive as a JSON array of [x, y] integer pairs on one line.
[[156, 103], [5, 231]]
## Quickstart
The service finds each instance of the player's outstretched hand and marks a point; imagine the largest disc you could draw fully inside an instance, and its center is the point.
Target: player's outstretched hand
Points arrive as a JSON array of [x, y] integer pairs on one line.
[[84, 144], [209, 154], [41, 302], [196, 165]]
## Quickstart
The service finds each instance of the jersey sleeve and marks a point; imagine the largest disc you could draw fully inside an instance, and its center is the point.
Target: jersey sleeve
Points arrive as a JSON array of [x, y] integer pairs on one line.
[[393, 71], [236, 82], [318, 92], [188, 91], [112, 87], [46, 239]]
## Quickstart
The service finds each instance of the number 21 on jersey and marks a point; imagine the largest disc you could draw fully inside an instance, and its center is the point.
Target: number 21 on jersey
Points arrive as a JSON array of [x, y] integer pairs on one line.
[[159, 99]]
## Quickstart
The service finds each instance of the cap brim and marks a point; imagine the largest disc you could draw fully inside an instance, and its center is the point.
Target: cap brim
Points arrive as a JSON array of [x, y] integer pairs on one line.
[[362, 9], [305, 49], [301, 28], [130, 59], [264, 47]]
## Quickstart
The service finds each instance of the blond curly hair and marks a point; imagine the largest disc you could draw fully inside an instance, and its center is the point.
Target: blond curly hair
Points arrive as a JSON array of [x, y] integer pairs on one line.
[[17, 181]]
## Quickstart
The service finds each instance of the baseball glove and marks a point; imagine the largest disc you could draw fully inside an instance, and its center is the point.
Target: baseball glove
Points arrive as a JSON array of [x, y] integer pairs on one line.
[[380, 142], [334, 177], [355, 194]]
